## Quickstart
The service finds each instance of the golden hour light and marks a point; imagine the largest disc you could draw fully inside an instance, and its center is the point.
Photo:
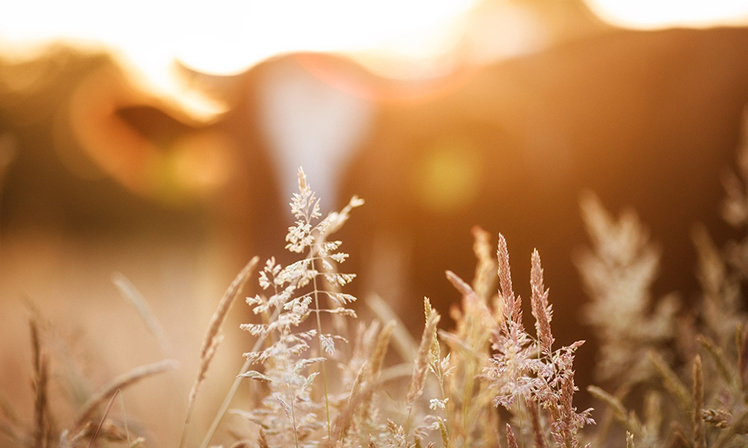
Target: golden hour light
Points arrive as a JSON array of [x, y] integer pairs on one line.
[[231, 35], [288, 223], [650, 14]]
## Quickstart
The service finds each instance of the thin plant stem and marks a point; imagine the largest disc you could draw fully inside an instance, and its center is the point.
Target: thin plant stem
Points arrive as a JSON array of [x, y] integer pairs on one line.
[[124, 419], [293, 419], [230, 395], [322, 353], [407, 422]]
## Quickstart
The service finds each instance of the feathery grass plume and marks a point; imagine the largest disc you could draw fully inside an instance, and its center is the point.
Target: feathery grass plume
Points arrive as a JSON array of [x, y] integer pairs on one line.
[[513, 348], [737, 427], [485, 270], [511, 441], [512, 304], [468, 400], [716, 417], [541, 310], [721, 402], [522, 368], [290, 415], [618, 274], [491, 358], [213, 336], [565, 425], [629, 440], [422, 360]]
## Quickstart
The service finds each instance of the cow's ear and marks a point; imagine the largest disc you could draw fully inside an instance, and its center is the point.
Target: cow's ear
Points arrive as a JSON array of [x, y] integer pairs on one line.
[[222, 89], [148, 144]]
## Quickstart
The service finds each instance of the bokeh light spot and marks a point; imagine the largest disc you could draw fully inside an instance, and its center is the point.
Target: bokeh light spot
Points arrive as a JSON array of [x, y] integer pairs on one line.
[[448, 176]]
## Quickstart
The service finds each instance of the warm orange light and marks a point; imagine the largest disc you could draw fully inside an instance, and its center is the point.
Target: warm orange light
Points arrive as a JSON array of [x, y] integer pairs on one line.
[[649, 14], [228, 36]]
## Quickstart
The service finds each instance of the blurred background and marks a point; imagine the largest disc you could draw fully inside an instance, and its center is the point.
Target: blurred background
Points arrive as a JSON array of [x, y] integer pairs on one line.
[[161, 139]]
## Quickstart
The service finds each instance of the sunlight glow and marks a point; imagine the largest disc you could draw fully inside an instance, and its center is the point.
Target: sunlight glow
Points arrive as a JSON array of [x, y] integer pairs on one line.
[[650, 14], [228, 36]]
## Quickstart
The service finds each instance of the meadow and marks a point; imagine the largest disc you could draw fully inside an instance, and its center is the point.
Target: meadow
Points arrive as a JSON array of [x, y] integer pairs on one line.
[[670, 375]]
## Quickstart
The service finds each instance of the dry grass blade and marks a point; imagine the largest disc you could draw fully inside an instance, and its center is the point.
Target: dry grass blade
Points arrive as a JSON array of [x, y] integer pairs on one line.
[[743, 358], [213, 338], [219, 316], [380, 348], [603, 427], [718, 357], [262, 442], [343, 420], [131, 293], [124, 420], [40, 384], [672, 383], [403, 341], [699, 433], [373, 367], [121, 382], [68, 442], [460, 285], [361, 375], [677, 437], [103, 418], [241, 444], [229, 396], [619, 411]]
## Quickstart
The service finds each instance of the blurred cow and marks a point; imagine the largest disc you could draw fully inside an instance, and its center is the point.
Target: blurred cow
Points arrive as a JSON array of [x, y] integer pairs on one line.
[[644, 119]]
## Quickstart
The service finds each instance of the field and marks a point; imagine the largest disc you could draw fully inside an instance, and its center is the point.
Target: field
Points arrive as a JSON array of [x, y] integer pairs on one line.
[[320, 376]]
